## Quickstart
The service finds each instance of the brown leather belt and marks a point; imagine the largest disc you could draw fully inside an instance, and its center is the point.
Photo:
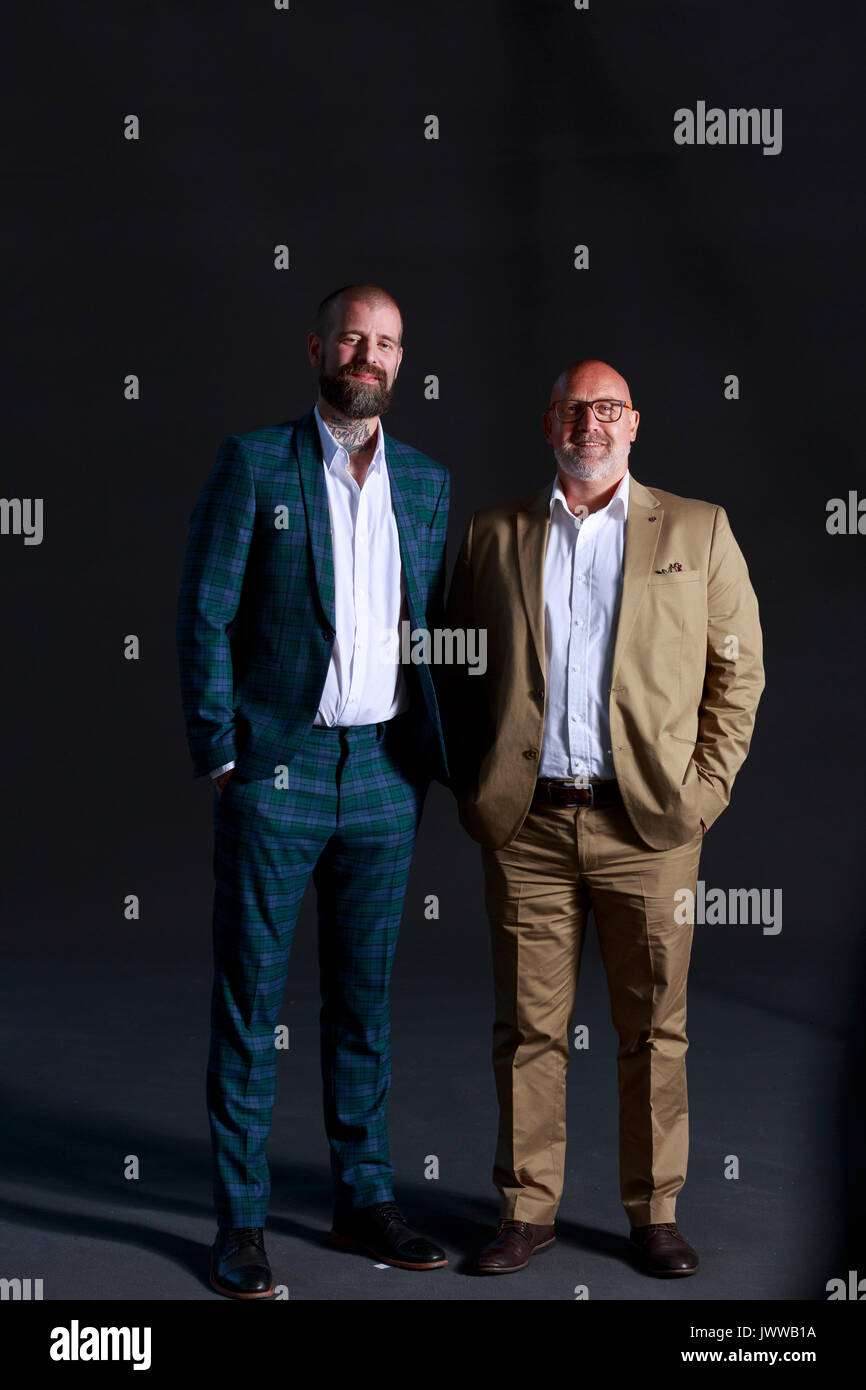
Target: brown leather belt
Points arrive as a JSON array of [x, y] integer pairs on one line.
[[552, 791]]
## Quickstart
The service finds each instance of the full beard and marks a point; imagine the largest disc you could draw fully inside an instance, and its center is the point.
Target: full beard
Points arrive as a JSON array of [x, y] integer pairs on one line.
[[593, 466], [358, 400]]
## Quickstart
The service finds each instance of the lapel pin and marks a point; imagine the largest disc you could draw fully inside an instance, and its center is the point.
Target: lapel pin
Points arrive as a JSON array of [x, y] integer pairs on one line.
[[652, 518]]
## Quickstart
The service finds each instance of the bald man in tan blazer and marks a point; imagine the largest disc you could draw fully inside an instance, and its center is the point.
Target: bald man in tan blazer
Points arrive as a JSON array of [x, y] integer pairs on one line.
[[623, 675]]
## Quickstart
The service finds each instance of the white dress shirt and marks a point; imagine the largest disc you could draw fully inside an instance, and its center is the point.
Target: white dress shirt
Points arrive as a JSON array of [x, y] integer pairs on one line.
[[365, 683], [582, 592]]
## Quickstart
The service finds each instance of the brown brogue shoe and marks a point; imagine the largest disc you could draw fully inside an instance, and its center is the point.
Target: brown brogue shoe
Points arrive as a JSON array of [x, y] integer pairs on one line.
[[512, 1246], [663, 1250]]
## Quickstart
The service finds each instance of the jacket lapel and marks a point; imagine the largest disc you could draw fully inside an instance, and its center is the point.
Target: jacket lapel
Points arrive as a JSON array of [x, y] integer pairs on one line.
[[641, 540], [403, 503], [642, 530], [532, 526], [309, 455]]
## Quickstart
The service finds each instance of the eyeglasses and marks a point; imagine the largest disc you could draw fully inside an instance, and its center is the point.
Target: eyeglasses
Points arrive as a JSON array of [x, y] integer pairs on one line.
[[607, 411]]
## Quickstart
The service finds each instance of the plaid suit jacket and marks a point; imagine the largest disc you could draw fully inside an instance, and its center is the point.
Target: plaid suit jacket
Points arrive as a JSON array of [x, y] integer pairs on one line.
[[255, 618]]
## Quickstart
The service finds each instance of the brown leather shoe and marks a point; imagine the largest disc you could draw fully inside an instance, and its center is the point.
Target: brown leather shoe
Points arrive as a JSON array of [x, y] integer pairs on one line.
[[663, 1250], [512, 1246]]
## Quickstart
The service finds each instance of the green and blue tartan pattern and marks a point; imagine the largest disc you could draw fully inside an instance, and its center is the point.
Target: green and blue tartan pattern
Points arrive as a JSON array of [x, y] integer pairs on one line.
[[349, 816], [254, 631], [255, 613]]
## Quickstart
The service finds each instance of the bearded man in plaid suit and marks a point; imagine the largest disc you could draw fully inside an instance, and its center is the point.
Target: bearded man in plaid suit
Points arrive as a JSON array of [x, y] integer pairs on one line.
[[309, 546]]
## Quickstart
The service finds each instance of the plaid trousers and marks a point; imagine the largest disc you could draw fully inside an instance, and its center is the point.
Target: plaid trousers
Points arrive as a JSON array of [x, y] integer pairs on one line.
[[349, 816]]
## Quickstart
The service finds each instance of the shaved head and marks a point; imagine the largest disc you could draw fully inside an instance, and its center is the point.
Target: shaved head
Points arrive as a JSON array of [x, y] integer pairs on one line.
[[356, 350], [588, 380], [373, 295], [589, 450]]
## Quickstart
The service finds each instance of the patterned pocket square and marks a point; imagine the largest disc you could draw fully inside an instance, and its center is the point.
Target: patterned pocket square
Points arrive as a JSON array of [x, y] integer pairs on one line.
[[671, 569]]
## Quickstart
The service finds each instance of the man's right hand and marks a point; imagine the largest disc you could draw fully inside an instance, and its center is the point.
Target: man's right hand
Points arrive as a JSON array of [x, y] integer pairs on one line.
[[220, 782]]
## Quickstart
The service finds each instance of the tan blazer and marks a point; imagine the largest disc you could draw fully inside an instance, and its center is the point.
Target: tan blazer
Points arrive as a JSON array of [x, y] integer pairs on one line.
[[687, 671]]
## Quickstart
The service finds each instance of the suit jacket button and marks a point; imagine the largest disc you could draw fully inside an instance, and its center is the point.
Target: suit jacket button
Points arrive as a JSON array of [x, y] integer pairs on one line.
[[327, 634], [531, 753], [538, 694]]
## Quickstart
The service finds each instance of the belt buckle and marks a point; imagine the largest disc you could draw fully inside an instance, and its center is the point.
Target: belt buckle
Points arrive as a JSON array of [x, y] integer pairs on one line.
[[583, 784]]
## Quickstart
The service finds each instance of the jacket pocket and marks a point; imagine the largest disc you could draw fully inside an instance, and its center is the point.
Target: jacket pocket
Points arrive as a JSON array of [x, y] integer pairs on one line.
[[676, 577]]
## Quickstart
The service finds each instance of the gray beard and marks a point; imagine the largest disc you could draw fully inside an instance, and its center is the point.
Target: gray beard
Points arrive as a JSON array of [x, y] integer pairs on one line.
[[605, 463]]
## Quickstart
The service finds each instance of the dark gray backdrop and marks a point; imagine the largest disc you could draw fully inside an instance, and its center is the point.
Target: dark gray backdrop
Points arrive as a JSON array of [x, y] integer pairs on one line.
[[155, 257]]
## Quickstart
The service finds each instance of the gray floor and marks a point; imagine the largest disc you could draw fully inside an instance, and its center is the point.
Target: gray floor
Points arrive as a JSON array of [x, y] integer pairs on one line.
[[103, 1062]]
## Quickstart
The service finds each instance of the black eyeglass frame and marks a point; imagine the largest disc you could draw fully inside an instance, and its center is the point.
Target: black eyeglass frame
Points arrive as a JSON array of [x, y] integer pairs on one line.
[[602, 400]]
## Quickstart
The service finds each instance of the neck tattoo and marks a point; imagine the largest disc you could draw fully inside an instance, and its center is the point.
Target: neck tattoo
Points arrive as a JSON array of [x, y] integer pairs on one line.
[[354, 435]]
